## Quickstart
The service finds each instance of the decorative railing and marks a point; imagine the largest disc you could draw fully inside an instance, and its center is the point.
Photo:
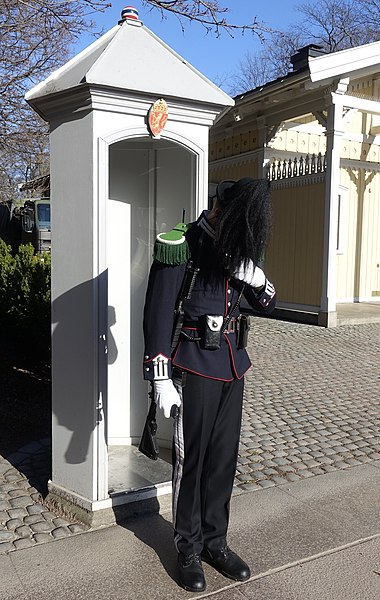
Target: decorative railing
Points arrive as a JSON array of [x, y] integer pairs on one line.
[[356, 94], [296, 167]]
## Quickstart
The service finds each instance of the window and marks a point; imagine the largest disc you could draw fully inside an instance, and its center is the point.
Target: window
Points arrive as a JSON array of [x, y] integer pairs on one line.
[[43, 214]]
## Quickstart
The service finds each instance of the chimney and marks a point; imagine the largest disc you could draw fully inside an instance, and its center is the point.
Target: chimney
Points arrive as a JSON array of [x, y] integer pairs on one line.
[[300, 60]]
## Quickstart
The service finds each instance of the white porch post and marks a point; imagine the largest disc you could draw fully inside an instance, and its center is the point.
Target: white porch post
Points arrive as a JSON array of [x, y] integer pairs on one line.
[[262, 129], [334, 132]]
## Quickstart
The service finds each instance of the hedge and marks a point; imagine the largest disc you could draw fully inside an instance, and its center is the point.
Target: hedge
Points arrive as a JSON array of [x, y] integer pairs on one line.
[[25, 296]]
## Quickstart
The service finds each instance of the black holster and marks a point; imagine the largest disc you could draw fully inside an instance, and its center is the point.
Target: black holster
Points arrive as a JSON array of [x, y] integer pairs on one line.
[[211, 327], [243, 330]]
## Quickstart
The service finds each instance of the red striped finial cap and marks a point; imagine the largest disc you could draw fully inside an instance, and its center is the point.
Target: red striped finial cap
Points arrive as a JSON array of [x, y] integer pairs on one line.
[[130, 12]]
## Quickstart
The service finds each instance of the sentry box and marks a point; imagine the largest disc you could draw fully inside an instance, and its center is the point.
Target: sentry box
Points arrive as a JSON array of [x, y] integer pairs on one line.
[[129, 122]]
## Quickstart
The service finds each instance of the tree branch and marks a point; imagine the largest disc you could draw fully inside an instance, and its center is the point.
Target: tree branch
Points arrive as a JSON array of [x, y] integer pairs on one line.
[[210, 14]]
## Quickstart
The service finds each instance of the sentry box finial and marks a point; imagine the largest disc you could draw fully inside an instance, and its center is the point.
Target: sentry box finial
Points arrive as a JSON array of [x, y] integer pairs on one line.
[[129, 13]]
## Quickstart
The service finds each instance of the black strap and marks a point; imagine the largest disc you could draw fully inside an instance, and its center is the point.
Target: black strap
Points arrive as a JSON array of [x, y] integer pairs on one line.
[[229, 316], [189, 278]]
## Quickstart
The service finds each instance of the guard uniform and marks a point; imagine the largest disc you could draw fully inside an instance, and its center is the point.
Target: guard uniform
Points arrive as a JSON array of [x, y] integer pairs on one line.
[[210, 383]]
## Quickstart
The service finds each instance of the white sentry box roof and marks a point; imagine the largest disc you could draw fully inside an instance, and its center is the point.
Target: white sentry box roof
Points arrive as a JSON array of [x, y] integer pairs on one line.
[[131, 57]]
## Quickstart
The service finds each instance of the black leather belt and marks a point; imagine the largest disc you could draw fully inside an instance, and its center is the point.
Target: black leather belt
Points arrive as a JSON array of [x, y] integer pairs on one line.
[[231, 327]]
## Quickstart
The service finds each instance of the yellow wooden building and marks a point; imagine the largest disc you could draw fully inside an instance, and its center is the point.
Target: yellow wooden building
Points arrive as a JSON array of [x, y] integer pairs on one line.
[[316, 134]]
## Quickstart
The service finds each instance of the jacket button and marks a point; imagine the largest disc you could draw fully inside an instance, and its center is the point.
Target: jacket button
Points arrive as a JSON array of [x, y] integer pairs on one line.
[[228, 303], [147, 369], [146, 356], [228, 291]]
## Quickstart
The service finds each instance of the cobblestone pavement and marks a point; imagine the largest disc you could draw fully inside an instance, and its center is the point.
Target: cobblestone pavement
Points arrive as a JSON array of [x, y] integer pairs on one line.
[[311, 407], [311, 402], [24, 520]]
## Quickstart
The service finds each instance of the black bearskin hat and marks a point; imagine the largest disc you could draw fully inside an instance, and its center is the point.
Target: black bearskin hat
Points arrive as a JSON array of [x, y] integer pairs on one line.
[[243, 223]]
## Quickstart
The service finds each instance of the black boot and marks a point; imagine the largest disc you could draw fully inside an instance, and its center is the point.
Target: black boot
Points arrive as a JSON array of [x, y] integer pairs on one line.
[[191, 576], [228, 563]]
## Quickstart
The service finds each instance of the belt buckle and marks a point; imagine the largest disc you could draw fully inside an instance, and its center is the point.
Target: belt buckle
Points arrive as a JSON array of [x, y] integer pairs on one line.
[[231, 326]]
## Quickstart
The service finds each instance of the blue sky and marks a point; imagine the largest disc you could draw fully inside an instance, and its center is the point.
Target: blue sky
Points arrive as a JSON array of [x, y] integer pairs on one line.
[[217, 58]]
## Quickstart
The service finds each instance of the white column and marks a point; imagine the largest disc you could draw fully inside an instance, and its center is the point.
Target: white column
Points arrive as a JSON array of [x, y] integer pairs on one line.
[[334, 133], [77, 382], [261, 159]]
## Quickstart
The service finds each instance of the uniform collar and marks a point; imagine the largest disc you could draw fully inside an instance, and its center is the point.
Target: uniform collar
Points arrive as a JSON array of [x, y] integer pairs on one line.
[[205, 225]]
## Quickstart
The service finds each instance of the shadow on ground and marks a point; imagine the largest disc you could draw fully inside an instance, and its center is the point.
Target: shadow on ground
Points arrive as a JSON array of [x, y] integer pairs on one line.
[[25, 407], [157, 533]]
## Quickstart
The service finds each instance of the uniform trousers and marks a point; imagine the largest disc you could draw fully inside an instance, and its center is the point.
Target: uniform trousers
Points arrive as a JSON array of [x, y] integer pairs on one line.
[[205, 450]]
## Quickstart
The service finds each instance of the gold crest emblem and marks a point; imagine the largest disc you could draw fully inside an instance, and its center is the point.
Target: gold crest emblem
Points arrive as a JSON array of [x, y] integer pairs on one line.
[[157, 117]]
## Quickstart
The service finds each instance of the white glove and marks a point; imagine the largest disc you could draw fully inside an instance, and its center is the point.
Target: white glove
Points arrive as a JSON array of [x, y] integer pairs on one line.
[[250, 274], [166, 395]]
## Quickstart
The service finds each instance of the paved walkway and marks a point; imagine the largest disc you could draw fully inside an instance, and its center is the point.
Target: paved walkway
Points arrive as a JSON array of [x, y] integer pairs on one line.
[[312, 539], [353, 313], [311, 408], [311, 402]]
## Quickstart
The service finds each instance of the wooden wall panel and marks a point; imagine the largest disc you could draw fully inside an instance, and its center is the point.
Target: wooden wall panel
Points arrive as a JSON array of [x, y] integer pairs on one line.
[[294, 256]]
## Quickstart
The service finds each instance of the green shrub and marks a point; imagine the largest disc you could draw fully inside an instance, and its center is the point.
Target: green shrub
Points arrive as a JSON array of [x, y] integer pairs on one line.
[[6, 273], [25, 296]]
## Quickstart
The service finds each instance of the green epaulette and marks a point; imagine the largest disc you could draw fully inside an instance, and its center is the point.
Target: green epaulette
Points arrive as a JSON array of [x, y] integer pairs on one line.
[[171, 248]]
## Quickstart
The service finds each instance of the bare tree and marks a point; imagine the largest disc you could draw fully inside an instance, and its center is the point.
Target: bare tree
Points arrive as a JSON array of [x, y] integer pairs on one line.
[[281, 47], [254, 70], [36, 38], [370, 10], [332, 24], [211, 14], [271, 62], [335, 24]]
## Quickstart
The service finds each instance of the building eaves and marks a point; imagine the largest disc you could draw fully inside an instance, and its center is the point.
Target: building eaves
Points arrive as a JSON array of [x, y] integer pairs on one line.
[[271, 87]]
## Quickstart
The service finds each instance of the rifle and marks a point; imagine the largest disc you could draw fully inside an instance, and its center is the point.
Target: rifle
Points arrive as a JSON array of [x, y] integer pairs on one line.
[[148, 443]]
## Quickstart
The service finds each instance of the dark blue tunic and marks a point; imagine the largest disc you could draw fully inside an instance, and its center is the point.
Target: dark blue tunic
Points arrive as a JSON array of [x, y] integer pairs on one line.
[[213, 294]]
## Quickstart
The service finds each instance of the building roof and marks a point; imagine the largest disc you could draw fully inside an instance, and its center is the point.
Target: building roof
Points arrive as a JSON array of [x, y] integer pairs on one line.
[[40, 183], [131, 57], [353, 62], [323, 69], [301, 91]]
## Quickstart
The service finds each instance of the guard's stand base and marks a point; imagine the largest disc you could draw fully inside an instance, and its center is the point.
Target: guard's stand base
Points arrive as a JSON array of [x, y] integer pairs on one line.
[[118, 508]]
